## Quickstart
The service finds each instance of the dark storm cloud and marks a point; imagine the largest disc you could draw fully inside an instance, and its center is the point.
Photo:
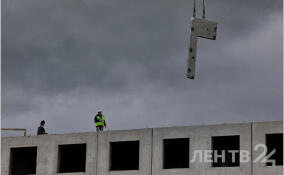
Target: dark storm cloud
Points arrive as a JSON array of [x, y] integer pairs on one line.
[[62, 60]]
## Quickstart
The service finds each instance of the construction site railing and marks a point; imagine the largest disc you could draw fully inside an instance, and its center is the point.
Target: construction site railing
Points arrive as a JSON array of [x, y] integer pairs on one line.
[[15, 129]]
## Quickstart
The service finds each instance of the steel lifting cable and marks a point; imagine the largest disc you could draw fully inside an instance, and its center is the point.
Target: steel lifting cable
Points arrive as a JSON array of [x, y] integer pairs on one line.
[[194, 8], [203, 10]]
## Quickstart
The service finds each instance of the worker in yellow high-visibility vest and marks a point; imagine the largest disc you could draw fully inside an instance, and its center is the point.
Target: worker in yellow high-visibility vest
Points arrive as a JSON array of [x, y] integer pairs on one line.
[[100, 121]]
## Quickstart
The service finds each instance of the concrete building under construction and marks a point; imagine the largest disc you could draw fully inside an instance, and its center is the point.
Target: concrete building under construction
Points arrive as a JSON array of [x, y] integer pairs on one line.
[[157, 151]]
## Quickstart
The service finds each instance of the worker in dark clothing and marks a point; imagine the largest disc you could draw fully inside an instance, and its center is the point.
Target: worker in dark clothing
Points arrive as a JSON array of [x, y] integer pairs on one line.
[[40, 129], [100, 121]]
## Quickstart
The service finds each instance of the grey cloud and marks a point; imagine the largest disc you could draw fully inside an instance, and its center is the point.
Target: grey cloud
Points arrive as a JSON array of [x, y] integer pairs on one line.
[[61, 60]]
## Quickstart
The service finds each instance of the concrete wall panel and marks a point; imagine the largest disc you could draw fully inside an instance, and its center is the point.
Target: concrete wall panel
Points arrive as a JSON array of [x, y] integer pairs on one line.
[[47, 151], [200, 139], [145, 138], [259, 130]]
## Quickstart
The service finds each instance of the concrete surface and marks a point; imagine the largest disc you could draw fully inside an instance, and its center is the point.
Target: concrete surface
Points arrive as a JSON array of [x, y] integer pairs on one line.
[[199, 28], [145, 138], [47, 151], [200, 139], [151, 149], [258, 132]]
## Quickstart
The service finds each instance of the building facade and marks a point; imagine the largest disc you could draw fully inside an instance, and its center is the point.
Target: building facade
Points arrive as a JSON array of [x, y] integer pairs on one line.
[[237, 149]]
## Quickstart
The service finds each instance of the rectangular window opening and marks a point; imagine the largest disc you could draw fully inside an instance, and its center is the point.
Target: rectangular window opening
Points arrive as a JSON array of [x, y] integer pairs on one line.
[[176, 153], [275, 141], [124, 155], [23, 160], [227, 145], [71, 158]]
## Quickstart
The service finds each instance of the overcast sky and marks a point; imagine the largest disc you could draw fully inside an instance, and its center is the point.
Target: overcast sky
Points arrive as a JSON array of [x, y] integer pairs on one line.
[[62, 60]]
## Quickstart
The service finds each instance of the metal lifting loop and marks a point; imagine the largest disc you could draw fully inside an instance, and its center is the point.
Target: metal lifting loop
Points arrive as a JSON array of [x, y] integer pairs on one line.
[[203, 10], [194, 8]]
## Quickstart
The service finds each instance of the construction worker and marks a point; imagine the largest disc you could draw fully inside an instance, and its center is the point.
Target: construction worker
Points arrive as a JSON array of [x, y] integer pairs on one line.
[[40, 129], [100, 121]]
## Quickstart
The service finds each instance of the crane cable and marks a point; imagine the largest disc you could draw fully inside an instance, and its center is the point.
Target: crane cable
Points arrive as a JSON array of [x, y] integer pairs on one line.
[[203, 10], [194, 11], [194, 8]]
